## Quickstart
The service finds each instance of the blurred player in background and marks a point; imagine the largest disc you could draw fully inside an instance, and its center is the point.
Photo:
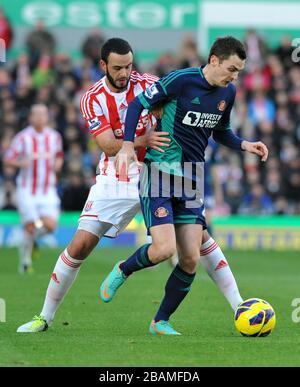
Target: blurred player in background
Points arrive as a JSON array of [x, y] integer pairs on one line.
[[37, 152], [112, 203]]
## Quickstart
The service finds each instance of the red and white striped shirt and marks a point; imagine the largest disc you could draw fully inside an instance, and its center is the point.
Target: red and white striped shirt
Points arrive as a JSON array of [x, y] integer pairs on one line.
[[41, 149], [106, 110]]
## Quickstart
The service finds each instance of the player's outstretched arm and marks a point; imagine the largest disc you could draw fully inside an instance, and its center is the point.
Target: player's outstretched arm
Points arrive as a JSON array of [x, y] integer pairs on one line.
[[258, 148], [110, 145], [229, 139]]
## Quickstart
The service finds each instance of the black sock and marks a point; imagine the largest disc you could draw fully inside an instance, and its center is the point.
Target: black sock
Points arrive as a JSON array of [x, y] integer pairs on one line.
[[177, 287], [138, 261]]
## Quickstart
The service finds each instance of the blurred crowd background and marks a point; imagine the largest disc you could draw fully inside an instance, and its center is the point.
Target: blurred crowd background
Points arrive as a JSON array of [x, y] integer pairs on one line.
[[267, 108]]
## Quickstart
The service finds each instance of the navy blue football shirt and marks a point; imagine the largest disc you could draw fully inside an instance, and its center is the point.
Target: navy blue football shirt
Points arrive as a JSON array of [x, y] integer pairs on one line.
[[192, 110]]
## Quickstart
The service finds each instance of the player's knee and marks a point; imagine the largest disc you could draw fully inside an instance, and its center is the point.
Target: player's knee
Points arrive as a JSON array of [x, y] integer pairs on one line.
[[163, 252], [79, 250], [189, 263]]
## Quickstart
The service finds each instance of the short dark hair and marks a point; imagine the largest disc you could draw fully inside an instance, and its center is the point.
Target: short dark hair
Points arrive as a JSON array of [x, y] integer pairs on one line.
[[116, 45], [224, 47]]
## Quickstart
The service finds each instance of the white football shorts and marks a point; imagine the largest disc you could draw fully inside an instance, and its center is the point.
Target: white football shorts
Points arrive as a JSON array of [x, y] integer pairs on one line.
[[115, 204], [34, 207]]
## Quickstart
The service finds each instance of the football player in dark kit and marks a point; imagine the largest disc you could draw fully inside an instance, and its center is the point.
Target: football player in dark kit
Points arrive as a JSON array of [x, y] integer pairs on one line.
[[197, 104]]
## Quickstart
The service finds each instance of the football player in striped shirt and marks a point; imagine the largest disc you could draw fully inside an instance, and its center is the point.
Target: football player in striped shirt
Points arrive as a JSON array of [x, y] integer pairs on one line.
[[37, 153], [111, 203]]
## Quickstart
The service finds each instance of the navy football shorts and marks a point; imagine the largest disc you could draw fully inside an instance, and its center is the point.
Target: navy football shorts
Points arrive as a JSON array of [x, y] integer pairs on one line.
[[169, 205]]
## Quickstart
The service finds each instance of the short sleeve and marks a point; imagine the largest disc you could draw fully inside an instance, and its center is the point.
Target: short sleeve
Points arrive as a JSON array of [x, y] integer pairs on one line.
[[163, 90], [93, 114]]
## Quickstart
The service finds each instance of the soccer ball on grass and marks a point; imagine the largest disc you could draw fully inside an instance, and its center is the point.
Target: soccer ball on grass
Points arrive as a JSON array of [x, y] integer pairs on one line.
[[255, 317]]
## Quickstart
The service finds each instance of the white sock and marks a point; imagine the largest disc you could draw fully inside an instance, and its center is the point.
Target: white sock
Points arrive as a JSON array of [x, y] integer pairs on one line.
[[217, 267], [62, 278], [25, 249]]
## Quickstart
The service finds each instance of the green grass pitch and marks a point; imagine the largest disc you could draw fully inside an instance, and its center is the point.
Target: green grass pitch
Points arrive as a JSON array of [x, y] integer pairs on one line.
[[87, 332]]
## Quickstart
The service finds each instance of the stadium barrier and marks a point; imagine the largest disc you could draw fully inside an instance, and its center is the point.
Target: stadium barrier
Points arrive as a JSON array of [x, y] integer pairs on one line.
[[258, 232], [232, 232]]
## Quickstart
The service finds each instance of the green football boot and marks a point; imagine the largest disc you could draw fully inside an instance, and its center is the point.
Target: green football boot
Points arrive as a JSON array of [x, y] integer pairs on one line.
[[162, 327], [112, 282]]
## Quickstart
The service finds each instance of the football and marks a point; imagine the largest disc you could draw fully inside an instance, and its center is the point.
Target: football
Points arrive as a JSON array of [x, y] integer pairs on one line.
[[255, 318]]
